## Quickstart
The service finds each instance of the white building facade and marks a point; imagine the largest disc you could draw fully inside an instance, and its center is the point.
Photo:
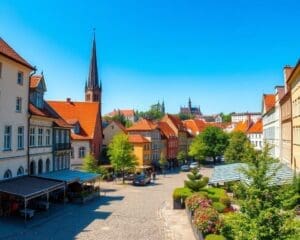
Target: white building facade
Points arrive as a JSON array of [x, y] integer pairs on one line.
[[14, 83]]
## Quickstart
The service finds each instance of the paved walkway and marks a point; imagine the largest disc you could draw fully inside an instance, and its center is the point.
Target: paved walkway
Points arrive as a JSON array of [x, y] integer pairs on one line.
[[124, 213]]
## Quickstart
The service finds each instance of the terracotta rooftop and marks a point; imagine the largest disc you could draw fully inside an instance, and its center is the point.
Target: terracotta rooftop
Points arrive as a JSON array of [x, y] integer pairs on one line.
[[10, 53], [243, 126], [35, 80], [195, 126], [166, 129], [269, 101], [142, 125], [85, 112], [136, 138], [256, 127], [39, 112]]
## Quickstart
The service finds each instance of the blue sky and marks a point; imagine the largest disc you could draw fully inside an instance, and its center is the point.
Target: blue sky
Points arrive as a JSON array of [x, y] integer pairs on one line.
[[222, 54]]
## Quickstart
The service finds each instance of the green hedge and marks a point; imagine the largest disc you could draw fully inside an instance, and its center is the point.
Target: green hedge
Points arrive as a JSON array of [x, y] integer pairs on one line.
[[219, 207], [214, 237], [181, 193], [215, 194]]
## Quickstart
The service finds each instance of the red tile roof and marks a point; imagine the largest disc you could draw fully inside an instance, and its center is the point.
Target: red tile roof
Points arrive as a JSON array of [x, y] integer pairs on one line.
[[256, 127], [269, 101], [195, 126], [35, 80], [243, 126], [85, 112], [39, 112], [10, 53], [136, 138], [166, 129], [142, 125]]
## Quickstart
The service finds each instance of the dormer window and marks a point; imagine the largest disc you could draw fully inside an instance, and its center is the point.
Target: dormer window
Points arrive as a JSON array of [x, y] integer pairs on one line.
[[76, 128]]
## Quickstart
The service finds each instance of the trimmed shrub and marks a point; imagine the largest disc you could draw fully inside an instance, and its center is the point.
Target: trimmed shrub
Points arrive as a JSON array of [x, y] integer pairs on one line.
[[196, 181], [215, 194], [181, 193], [207, 220], [215, 237], [220, 207], [226, 201], [197, 200]]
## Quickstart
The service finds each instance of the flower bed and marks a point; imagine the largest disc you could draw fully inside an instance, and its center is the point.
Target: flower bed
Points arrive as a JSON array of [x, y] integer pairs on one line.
[[179, 196]]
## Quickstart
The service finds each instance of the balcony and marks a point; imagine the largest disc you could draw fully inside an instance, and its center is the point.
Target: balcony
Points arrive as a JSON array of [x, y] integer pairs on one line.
[[62, 146]]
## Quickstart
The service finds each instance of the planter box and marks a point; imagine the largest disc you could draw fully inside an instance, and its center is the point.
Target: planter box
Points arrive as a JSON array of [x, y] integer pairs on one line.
[[177, 204], [198, 234]]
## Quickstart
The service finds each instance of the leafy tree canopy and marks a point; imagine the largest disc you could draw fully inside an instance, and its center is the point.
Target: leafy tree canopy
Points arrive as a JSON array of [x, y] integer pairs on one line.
[[212, 142], [89, 164], [121, 155], [239, 148]]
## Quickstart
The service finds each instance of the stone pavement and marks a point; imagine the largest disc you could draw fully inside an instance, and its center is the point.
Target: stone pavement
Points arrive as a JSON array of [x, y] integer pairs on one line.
[[124, 213]]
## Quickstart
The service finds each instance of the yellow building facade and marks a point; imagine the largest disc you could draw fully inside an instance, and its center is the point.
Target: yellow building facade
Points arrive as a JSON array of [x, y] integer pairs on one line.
[[294, 82], [141, 149]]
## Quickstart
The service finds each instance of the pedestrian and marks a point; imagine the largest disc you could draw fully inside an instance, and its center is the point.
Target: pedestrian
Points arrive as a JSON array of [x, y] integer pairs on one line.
[[153, 176]]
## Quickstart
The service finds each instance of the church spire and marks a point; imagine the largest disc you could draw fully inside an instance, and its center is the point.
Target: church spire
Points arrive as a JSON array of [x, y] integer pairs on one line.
[[93, 81], [190, 103], [92, 88]]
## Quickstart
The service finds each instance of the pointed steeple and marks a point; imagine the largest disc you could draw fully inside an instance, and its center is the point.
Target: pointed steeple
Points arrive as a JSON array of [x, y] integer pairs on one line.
[[92, 88], [190, 103], [93, 81], [163, 107]]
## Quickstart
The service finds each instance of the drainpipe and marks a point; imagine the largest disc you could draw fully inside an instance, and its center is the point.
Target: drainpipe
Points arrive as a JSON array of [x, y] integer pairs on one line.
[[28, 122]]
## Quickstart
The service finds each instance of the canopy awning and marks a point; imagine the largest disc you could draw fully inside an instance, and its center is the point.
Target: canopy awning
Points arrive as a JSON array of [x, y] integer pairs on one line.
[[29, 187], [69, 176], [231, 173]]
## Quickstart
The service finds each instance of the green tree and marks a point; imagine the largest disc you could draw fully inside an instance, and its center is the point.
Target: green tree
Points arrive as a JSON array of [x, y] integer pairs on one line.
[[89, 163], [261, 216], [212, 142], [239, 148], [196, 181], [226, 117], [181, 157], [119, 117], [121, 155], [184, 116]]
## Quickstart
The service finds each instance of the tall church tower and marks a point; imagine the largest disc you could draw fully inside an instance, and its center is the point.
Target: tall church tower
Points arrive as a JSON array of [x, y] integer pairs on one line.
[[93, 90]]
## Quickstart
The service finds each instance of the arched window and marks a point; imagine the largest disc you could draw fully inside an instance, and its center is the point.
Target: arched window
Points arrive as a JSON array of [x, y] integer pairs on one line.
[[20, 171], [81, 152], [48, 165], [7, 174], [32, 168], [40, 166]]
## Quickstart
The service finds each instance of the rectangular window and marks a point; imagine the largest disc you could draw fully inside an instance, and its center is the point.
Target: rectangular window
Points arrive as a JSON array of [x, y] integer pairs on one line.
[[48, 137], [20, 137], [7, 138], [40, 137], [18, 104], [0, 69], [32, 137], [20, 78]]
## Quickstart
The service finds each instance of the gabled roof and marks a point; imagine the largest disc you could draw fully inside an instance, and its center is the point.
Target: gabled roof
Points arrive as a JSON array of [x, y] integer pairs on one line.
[[268, 101], [120, 125], [10, 53], [195, 126], [166, 129], [39, 112], [243, 126], [136, 138], [142, 125], [175, 120], [86, 113], [256, 127]]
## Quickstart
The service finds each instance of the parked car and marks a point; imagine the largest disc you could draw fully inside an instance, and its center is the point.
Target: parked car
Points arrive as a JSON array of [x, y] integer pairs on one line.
[[141, 180], [194, 165], [185, 168]]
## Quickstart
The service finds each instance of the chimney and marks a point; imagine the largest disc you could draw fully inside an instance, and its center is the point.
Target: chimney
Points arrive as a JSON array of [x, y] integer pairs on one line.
[[68, 100], [287, 70]]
